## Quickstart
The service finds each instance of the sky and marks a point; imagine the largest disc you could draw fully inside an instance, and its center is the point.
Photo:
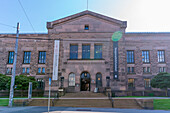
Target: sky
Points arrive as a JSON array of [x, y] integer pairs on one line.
[[141, 15]]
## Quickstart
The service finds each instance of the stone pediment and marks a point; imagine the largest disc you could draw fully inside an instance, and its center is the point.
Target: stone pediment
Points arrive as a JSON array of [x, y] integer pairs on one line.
[[96, 22]]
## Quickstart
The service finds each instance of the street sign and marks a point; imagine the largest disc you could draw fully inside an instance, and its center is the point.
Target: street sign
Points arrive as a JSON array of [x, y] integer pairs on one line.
[[50, 81]]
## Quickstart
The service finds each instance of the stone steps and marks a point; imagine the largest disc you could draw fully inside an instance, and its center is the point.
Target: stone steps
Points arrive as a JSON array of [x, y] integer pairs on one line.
[[83, 94], [99, 103], [126, 103]]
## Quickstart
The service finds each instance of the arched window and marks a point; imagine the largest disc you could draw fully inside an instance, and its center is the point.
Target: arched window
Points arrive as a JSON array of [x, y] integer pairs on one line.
[[71, 78]]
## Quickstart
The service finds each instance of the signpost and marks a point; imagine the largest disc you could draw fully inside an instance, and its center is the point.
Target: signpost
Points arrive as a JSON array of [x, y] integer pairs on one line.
[[115, 38], [49, 95], [30, 90]]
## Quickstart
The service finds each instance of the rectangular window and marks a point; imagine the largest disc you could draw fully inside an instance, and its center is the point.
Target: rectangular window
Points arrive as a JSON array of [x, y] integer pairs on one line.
[[161, 56], [43, 70], [42, 57], [133, 69], [164, 69], [86, 52], [147, 83], [23, 70], [27, 56], [73, 51], [148, 69], [39, 70], [130, 56], [9, 71], [28, 70], [97, 51], [10, 57], [144, 69], [131, 83], [40, 83], [128, 69], [145, 56]]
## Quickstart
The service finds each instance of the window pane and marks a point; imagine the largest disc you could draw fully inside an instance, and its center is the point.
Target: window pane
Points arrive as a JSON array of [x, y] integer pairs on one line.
[[73, 51], [43, 70], [42, 57], [130, 56], [27, 56], [161, 56], [131, 83], [40, 83], [11, 57], [23, 70], [148, 69], [164, 69], [145, 56], [98, 52], [28, 70], [133, 70], [128, 69], [8, 71], [72, 79], [86, 52], [39, 70], [147, 83]]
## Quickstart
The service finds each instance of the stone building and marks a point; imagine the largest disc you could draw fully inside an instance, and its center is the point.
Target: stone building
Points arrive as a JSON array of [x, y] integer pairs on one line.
[[86, 57]]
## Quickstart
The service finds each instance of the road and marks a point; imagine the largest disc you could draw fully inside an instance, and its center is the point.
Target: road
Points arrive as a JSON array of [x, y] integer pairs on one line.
[[36, 109]]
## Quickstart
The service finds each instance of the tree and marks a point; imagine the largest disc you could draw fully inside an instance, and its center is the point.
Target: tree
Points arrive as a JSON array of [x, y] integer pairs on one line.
[[21, 82], [4, 82], [162, 81]]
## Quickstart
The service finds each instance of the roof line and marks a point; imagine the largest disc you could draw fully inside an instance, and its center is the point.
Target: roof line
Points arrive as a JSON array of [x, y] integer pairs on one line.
[[147, 32]]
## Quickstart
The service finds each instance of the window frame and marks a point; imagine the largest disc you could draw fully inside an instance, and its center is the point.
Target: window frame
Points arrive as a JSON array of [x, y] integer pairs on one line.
[[159, 54], [29, 59], [40, 58], [145, 83], [101, 52], [71, 83], [147, 54], [127, 57], [9, 55], [75, 52], [133, 86], [85, 51]]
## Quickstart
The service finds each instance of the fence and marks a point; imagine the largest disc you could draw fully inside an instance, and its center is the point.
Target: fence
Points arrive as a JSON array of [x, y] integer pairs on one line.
[[22, 93]]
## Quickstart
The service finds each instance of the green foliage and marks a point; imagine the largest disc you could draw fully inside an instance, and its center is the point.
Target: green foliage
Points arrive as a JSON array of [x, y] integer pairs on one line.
[[21, 82], [4, 82], [162, 81]]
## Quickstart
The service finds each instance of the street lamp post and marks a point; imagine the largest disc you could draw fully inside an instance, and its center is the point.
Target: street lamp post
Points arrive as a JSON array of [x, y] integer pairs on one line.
[[14, 68]]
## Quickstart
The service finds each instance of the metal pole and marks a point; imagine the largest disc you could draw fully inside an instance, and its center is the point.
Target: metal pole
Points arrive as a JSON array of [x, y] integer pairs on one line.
[[49, 95], [14, 68], [87, 4]]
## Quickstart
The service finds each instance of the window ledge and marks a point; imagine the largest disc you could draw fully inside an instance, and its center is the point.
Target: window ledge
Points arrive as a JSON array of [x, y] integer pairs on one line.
[[131, 73], [86, 60], [40, 74], [147, 73]]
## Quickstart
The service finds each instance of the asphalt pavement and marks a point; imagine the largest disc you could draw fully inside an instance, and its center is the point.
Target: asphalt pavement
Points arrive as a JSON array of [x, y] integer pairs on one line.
[[36, 109]]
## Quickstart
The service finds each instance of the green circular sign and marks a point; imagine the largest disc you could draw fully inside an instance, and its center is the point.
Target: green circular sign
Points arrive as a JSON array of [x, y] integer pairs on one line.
[[116, 36]]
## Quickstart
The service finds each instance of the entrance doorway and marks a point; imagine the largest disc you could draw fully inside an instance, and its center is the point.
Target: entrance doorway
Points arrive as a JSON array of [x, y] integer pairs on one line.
[[85, 81], [98, 80]]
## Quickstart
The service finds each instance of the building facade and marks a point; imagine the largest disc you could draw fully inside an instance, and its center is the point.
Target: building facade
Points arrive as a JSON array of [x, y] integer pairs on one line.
[[78, 50]]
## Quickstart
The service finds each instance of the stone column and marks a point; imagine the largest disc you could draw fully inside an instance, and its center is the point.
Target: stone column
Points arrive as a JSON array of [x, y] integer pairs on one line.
[[92, 51], [79, 51]]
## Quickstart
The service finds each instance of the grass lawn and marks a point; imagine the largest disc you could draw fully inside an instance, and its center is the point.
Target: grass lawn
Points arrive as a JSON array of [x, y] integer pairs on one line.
[[4, 102], [161, 104]]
